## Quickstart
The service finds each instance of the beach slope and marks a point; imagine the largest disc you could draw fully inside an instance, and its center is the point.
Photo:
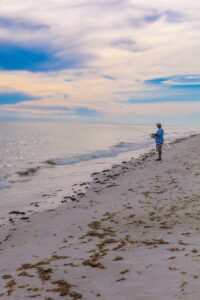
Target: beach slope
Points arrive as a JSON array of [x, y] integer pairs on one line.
[[133, 235]]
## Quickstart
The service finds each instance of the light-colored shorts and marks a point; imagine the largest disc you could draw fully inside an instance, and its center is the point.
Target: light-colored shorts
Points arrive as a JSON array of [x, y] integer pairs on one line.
[[159, 146]]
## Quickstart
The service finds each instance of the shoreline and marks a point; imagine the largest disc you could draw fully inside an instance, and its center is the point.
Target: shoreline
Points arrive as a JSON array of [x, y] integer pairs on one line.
[[35, 181], [40, 200], [128, 230]]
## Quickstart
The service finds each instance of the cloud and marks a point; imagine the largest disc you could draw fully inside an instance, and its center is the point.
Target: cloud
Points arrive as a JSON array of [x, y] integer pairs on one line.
[[174, 16], [100, 53], [151, 16], [18, 24], [127, 45]]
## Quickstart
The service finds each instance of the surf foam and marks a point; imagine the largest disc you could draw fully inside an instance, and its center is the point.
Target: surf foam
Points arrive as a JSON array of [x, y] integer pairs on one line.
[[115, 150]]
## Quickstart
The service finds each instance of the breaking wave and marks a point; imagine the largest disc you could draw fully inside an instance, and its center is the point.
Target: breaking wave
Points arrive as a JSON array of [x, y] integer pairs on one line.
[[115, 150]]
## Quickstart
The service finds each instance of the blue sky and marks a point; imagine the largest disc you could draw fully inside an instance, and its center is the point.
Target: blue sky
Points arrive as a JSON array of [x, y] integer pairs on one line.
[[108, 60], [14, 97], [175, 89], [15, 57]]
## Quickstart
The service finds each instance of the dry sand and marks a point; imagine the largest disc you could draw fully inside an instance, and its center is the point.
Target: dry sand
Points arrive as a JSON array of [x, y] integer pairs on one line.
[[133, 235]]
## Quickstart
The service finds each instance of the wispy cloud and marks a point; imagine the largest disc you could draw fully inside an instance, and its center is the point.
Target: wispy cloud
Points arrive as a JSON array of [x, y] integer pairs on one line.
[[17, 24], [151, 16]]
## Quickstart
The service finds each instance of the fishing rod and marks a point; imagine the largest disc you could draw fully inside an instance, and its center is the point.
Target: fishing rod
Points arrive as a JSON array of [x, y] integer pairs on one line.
[[145, 132]]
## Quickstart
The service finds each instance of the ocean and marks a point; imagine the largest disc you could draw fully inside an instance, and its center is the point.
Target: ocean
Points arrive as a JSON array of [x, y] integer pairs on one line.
[[59, 155]]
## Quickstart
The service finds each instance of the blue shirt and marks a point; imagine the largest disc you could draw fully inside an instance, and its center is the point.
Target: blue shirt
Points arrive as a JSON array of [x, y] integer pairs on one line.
[[160, 137]]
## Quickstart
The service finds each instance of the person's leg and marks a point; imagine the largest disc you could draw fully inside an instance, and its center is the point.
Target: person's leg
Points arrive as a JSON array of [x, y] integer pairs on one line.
[[159, 150], [160, 155]]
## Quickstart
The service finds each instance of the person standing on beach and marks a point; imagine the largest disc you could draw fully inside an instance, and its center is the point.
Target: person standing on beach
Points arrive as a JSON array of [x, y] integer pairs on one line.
[[159, 139]]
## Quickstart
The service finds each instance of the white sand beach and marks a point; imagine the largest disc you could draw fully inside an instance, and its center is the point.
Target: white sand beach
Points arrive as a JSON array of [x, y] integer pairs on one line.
[[133, 235]]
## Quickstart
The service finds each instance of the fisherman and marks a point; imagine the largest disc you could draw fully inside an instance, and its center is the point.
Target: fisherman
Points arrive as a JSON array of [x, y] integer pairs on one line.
[[159, 139]]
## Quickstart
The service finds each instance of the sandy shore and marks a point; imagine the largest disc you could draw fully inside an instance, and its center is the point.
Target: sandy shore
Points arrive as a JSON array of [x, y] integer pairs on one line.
[[133, 235]]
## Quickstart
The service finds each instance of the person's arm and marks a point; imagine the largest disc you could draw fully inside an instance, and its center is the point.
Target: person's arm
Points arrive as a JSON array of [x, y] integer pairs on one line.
[[158, 133], [153, 135]]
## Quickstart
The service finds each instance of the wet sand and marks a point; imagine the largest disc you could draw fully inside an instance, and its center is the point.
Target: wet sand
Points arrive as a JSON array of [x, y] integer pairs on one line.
[[133, 234]]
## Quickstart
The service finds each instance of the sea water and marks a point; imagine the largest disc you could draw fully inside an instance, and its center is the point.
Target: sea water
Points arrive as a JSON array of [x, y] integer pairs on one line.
[[64, 152]]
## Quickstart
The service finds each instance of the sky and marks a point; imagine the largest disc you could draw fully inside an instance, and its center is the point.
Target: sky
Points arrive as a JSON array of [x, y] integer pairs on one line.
[[100, 60]]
